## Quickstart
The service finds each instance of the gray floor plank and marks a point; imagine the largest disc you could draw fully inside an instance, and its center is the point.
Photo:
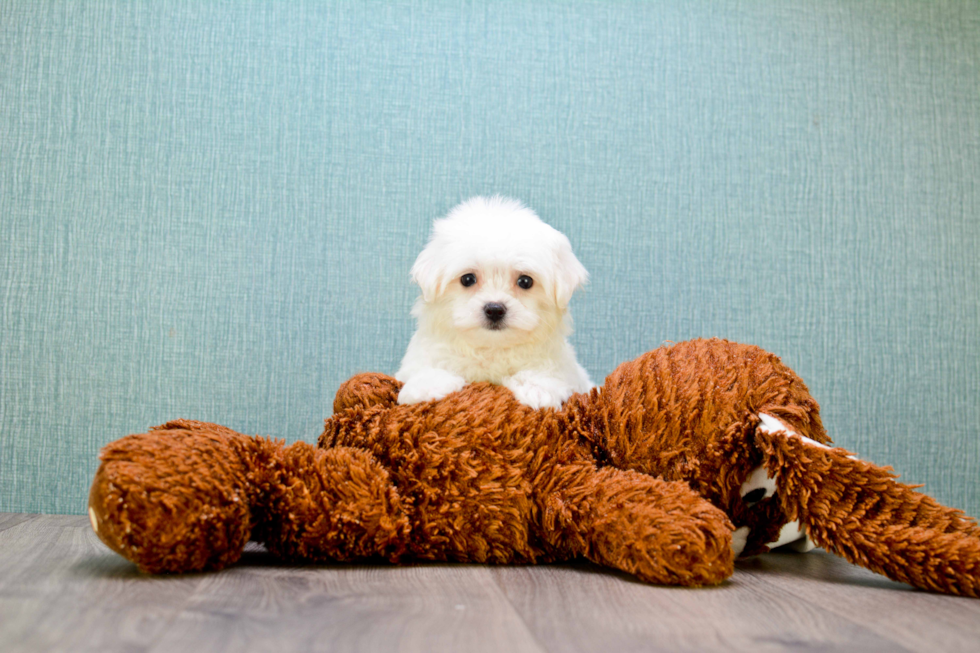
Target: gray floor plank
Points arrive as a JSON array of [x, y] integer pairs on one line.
[[350, 608], [914, 619], [577, 608], [11, 519], [61, 590]]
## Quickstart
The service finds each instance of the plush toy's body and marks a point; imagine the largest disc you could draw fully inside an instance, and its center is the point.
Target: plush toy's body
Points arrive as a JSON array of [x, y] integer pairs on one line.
[[651, 474]]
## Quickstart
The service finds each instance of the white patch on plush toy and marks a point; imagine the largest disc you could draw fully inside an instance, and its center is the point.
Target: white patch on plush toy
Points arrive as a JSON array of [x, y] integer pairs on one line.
[[793, 534], [92, 518], [770, 424], [758, 486], [739, 539], [802, 545]]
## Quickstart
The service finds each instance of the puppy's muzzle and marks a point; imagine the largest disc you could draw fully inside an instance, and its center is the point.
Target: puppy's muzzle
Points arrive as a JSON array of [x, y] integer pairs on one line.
[[495, 313]]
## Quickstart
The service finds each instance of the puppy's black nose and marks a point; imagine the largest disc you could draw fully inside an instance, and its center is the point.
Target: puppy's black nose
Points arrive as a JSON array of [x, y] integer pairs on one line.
[[494, 311]]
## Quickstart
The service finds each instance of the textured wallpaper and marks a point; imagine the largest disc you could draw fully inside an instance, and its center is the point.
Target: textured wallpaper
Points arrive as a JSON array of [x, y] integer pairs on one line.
[[209, 209]]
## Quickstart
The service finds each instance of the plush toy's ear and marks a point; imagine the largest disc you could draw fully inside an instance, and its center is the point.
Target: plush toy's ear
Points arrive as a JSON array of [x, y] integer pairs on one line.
[[570, 274], [428, 273]]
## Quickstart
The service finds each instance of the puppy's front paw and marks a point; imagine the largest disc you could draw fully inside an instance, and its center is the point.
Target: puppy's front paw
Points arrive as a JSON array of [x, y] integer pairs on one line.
[[538, 390], [429, 385]]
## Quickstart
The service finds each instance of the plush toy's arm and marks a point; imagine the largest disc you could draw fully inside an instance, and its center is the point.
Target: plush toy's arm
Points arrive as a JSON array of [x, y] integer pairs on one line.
[[860, 512], [660, 531], [189, 495], [366, 390]]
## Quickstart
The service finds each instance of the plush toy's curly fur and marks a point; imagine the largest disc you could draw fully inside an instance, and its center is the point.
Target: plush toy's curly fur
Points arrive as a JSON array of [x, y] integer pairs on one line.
[[644, 475]]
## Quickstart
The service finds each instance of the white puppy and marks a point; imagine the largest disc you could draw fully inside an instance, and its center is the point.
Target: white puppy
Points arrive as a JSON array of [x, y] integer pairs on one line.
[[495, 282]]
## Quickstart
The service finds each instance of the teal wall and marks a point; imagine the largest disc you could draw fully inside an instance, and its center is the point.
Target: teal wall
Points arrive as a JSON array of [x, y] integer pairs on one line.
[[209, 209]]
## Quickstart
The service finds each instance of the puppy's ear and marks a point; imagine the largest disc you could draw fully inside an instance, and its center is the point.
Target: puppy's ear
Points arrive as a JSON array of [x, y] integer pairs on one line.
[[569, 275], [429, 274]]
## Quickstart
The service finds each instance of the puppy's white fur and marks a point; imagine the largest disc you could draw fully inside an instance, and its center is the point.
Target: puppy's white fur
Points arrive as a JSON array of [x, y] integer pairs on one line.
[[498, 241]]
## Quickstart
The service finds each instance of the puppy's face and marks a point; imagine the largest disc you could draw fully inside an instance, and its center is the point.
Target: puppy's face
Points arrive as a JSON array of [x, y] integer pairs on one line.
[[496, 274], [499, 304]]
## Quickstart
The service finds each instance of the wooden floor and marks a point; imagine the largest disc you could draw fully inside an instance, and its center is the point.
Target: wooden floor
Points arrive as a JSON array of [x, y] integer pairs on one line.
[[62, 590]]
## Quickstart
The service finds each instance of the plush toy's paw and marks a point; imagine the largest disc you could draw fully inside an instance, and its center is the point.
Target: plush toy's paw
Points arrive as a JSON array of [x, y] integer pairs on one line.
[[366, 390], [175, 499], [429, 385], [660, 531], [538, 390]]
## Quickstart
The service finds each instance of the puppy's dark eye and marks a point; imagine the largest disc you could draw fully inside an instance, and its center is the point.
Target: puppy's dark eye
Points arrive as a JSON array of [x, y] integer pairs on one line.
[[525, 282], [467, 279]]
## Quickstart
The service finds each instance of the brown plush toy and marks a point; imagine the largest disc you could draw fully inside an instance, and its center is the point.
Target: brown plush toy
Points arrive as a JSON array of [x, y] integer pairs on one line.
[[685, 457]]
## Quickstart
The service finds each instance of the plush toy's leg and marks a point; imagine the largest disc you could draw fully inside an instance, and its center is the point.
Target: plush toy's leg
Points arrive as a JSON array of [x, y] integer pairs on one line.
[[860, 512], [331, 504], [661, 531]]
